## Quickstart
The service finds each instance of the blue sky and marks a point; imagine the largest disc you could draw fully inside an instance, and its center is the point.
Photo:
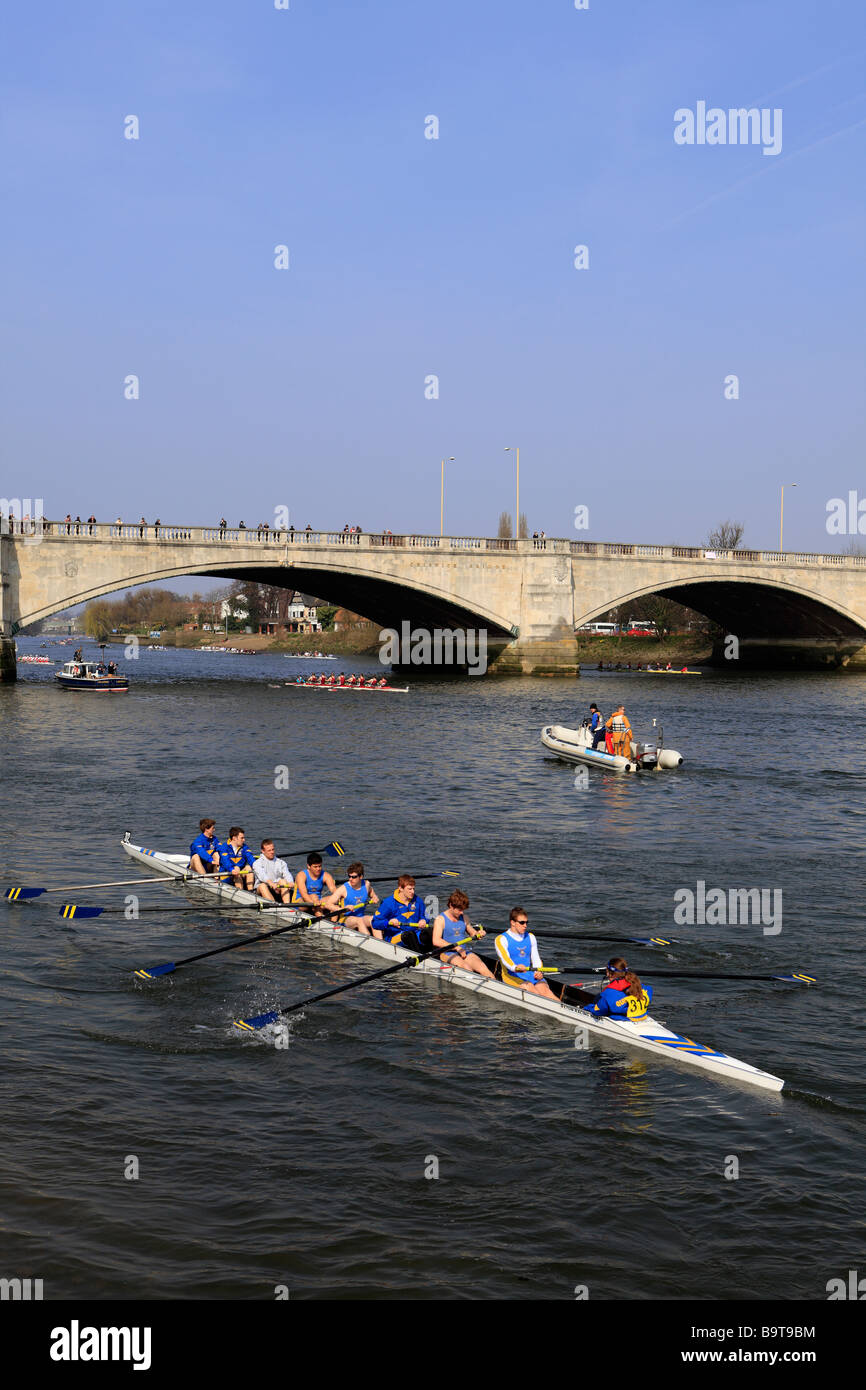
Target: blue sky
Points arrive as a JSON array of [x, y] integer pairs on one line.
[[454, 257]]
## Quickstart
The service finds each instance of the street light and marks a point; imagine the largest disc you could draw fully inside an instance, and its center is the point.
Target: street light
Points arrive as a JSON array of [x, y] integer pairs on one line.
[[517, 519], [442, 498], [782, 515]]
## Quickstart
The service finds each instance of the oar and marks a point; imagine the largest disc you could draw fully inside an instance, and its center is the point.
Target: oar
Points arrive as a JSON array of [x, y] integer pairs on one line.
[[19, 894], [170, 966], [633, 940], [795, 979], [440, 873], [334, 850], [262, 1020], [70, 910]]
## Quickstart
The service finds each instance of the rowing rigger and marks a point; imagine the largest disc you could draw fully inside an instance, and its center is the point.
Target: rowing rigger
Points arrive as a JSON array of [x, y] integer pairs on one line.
[[646, 1035]]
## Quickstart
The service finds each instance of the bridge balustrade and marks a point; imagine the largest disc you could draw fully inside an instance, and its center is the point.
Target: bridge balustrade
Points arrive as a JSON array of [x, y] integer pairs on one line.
[[172, 534]]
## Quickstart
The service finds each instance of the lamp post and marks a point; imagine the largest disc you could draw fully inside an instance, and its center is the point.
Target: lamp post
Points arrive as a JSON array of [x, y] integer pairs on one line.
[[782, 516], [517, 517], [442, 498]]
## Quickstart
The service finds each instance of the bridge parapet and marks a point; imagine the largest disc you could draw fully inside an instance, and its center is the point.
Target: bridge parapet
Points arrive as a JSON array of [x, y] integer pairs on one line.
[[173, 534], [623, 551]]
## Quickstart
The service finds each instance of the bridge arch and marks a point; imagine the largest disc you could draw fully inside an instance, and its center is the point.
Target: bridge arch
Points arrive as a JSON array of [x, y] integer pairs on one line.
[[386, 599], [770, 618]]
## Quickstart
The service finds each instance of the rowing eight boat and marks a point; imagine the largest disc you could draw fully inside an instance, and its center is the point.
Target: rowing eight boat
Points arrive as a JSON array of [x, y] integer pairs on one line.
[[647, 1034], [378, 689]]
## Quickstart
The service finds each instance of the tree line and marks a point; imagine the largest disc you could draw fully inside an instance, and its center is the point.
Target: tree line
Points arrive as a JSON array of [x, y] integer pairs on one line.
[[149, 609]]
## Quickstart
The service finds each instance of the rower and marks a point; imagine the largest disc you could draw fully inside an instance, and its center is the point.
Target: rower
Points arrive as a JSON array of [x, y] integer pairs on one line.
[[401, 916], [452, 926], [623, 995], [236, 860], [203, 852], [519, 959], [274, 878], [354, 895], [313, 882]]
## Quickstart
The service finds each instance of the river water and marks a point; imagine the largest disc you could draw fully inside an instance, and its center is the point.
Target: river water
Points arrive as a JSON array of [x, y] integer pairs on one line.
[[305, 1167]]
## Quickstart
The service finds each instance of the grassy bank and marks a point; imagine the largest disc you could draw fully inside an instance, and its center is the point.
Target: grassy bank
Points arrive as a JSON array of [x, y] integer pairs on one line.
[[346, 643], [688, 649]]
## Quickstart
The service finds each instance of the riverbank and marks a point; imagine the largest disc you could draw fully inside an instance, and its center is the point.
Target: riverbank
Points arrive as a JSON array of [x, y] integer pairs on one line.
[[348, 642], [685, 650]]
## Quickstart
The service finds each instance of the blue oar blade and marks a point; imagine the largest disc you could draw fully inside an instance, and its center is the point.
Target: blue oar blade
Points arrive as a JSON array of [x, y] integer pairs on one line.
[[156, 970], [260, 1021], [797, 979], [17, 895], [73, 910], [652, 940], [335, 850]]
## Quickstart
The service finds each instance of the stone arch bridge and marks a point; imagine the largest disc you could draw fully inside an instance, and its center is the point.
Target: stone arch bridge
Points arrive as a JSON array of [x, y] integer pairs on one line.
[[529, 597]]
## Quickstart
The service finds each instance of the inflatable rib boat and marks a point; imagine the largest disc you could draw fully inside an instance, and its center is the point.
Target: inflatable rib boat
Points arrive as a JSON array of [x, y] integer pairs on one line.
[[575, 746]]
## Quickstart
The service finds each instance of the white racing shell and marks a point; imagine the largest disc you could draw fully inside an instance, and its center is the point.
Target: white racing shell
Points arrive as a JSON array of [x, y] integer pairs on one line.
[[647, 1035]]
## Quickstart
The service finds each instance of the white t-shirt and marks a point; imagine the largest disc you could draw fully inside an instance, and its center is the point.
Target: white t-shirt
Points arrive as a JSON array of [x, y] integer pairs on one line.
[[269, 870]]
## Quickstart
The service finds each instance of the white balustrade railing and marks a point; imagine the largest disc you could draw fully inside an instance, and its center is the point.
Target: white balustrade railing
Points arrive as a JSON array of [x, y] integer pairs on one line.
[[150, 531]]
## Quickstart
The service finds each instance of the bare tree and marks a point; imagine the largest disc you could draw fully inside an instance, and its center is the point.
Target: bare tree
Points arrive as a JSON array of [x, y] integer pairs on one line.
[[726, 536], [524, 526], [505, 531]]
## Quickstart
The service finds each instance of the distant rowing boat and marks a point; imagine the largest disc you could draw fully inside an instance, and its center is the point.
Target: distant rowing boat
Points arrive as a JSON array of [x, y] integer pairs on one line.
[[363, 689], [645, 1035]]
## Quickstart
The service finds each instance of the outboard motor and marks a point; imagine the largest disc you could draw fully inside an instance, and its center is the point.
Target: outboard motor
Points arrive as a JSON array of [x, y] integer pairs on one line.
[[645, 755]]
